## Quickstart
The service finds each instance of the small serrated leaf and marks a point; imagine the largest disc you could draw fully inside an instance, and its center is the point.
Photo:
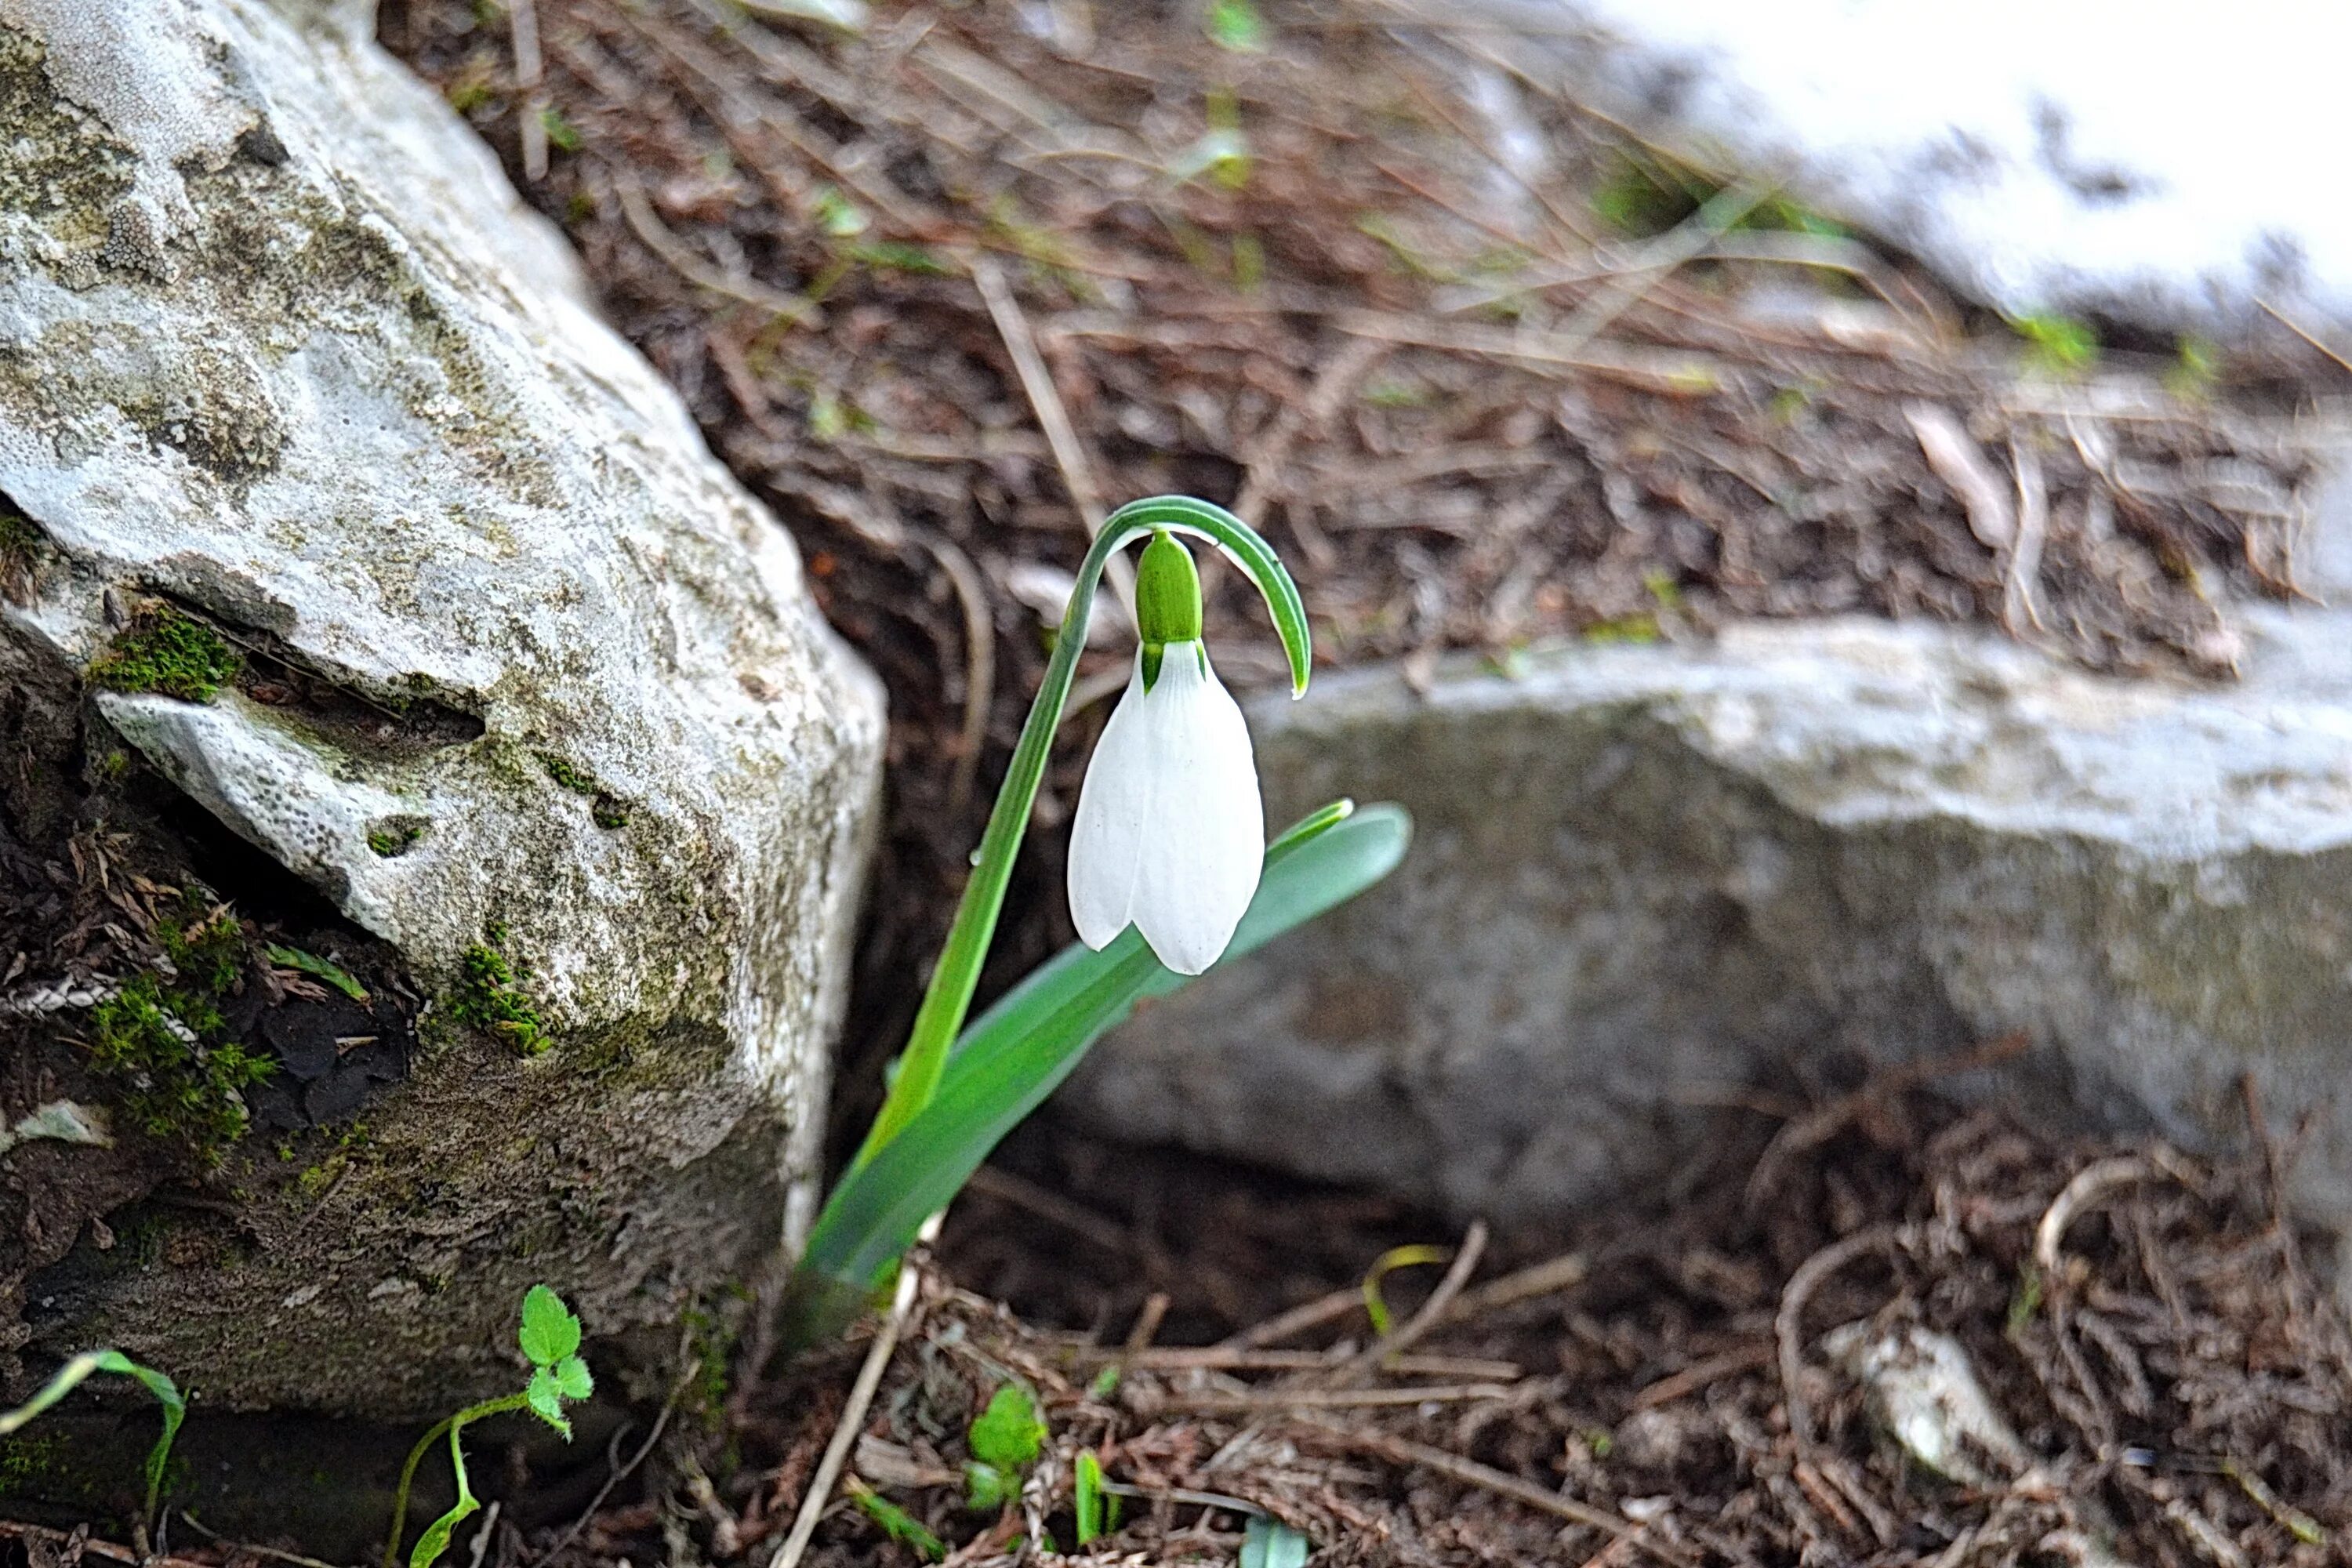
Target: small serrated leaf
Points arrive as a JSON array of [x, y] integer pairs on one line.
[[1009, 1432], [550, 1331], [547, 1401], [572, 1377]]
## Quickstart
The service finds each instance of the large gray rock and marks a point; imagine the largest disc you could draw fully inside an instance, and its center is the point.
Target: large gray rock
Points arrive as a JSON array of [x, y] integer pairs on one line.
[[1643, 875], [280, 346]]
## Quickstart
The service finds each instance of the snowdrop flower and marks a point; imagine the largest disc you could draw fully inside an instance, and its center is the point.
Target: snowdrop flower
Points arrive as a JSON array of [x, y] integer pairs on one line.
[[1169, 832]]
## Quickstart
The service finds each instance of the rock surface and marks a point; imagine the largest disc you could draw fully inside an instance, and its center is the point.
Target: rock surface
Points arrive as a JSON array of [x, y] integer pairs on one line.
[[280, 349], [1643, 876]]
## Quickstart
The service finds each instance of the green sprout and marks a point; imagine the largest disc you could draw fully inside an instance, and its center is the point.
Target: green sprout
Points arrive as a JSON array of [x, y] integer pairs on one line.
[[550, 1337], [561, 135], [69, 1376], [836, 214], [1005, 1439], [956, 1090], [1087, 1497], [2057, 345], [170, 654]]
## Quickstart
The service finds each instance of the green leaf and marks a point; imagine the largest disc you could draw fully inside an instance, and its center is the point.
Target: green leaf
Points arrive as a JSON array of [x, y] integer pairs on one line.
[[573, 1378], [1009, 1432], [547, 1400], [1270, 1543], [1087, 1501], [896, 1521], [985, 1488], [311, 963], [550, 1331], [1021, 1049]]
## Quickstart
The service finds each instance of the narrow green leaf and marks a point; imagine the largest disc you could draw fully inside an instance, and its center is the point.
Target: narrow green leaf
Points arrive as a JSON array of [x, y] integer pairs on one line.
[[71, 1376], [550, 1331], [897, 1522], [1087, 1503], [311, 963], [1018, 1052], [1270, 1543], [1009, 1432]]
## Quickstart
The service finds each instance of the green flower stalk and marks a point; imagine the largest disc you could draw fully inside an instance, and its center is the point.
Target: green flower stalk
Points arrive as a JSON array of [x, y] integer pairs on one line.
[[948, 998], [1170, 870]]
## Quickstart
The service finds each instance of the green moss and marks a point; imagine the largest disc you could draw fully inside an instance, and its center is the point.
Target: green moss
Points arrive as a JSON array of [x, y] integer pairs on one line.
[[203, 941], [606, 809], [167, 652], [396, 836], [27, 1459], [185, 1090], [488, 998]]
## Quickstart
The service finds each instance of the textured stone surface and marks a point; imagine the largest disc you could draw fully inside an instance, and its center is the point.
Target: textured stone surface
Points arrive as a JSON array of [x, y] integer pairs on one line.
[[1643, 874], [278, 343]]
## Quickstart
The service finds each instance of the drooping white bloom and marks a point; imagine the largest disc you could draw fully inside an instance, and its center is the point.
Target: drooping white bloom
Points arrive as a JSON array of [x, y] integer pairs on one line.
[[1169, 832]]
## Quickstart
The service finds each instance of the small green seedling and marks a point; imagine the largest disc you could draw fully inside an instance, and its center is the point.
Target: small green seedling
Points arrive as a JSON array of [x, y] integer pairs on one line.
[[550, 1336], [1270, 1543], [1087, 1500], [2057, 345], [1006, 1438], [897, 1522], [1376, 1306], [167, 1393]]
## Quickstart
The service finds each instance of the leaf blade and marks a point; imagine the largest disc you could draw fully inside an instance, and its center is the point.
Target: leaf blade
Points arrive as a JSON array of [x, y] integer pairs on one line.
[[1022, 1048], [549, 1331]]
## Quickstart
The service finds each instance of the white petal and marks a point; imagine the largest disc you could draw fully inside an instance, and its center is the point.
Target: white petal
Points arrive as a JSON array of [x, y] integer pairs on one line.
[[1114, 805], [1169, 831], [1200, 864]]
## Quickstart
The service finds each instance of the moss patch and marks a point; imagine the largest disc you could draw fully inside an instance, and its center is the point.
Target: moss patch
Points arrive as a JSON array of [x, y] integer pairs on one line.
[[395, 836], [489, 997], [180, 1083], [605, 808], [204, 943], [167, 652]]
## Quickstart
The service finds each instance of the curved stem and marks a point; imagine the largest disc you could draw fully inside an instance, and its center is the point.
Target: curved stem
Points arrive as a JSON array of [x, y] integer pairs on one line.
[[948, 996], [452, 1426]]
